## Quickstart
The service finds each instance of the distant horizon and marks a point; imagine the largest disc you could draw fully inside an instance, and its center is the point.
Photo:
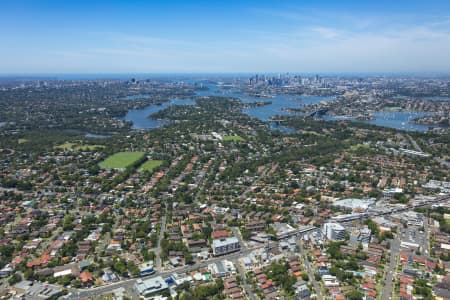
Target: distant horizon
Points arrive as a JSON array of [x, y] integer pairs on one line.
[[204, 37], [140, 76]]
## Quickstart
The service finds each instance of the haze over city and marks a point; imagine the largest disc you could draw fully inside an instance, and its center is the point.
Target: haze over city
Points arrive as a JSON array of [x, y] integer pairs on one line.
[[227, 36]]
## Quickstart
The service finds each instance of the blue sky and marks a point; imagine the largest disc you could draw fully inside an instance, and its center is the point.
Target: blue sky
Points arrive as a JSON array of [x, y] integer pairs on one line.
[[40, 36]]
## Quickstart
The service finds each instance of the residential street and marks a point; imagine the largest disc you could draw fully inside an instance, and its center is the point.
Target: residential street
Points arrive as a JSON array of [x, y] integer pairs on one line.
[[391, 269], [310, 271], [162, 230], [247, 287]]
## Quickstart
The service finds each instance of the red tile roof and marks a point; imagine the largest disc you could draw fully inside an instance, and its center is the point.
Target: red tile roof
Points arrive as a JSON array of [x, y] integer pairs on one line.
[[86, 276]]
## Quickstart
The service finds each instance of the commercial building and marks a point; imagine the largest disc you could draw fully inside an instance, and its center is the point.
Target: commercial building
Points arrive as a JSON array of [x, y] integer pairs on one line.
[[146, 268], [151, 286], [222, 268], [392, 191], [355, 204], [409, 246], [225, 246], [361, 235], [36, 290], [414, 153], [349, 217], [283, 230], [334, 231]]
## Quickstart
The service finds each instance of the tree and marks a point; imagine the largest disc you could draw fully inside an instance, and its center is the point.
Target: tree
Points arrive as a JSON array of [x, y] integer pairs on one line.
[[246, 234], [360, 247], [147, 255], [76, 283], [402, 198], [120, 266], [372, 226], [309, 212], [15, 278], [68, 222], [64, 280], [188, 258], [132, 268], [6, 253], [317, 276], [334, 250], [354, 295]]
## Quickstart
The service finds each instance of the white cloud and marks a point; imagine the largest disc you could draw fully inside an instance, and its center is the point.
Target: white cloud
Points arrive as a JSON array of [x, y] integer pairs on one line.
[[326, 32]]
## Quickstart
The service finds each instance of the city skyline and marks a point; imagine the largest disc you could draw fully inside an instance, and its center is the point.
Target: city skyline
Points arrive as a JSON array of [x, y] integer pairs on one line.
[[231, 37]]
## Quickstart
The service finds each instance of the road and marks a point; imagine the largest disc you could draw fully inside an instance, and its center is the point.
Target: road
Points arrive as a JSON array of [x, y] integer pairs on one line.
[[426, 232], [247, 288], [391, 269], [129, 283], [414, 143], [438, 159], [162, 230], [310, 271], [237, 234]]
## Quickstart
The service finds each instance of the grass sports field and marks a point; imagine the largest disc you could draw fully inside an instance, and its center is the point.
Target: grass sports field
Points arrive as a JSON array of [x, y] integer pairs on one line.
[[233, 138], [121, 160], [150, 165]]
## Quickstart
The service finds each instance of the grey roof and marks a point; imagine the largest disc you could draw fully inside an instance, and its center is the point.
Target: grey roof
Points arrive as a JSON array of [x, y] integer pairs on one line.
[[224, 242], [38, 291], [441, 292], [220, 267], [84, 264], [151, 285]]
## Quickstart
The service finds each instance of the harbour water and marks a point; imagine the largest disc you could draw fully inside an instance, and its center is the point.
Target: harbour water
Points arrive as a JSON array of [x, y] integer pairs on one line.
[[141, 119], [280, 105], [438, 98], [398, 120]]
